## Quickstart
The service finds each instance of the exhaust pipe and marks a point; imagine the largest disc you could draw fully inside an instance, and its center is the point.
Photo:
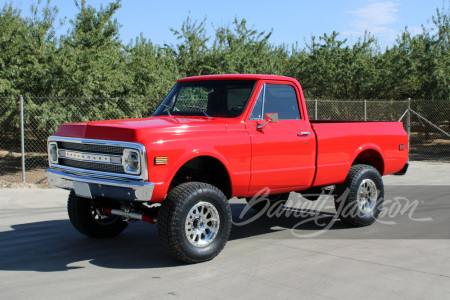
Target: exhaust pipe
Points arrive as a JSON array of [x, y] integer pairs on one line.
[[129, 215]]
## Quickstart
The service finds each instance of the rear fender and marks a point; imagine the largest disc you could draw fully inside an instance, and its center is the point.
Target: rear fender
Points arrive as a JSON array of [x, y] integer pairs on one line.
[[366, 149]]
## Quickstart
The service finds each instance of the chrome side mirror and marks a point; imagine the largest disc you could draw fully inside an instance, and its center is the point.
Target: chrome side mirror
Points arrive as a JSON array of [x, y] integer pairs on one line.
[[270, 117]]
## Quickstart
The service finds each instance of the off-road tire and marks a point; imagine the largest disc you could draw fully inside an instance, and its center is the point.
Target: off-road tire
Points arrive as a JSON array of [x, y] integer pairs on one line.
[[349, 207], [86, 220], [176, 211]]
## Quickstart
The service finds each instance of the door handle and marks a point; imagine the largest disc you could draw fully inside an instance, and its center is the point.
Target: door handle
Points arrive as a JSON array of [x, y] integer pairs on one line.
[[303, 133]]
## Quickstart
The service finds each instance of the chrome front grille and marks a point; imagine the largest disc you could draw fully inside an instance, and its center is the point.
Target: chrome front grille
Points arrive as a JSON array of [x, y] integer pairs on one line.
[[100, 158], [92, 166], [92, 148]]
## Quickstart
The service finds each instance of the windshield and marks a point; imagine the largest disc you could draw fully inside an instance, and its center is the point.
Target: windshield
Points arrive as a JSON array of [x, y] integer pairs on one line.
[[211, 98]]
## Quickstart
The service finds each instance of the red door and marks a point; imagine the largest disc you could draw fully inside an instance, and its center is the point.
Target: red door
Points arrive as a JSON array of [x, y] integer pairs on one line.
[[283, 153]]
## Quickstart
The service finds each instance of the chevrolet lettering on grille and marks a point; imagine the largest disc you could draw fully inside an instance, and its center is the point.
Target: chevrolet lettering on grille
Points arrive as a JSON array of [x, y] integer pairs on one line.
[[88, 156]]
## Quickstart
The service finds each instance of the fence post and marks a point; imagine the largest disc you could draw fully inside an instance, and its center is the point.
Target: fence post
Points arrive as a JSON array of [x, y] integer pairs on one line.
[[315, 109], [22, 140], [408, 124], [365, 110]]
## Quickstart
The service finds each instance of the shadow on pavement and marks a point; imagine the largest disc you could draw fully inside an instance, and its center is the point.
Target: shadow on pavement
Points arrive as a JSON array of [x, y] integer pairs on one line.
[[56, 246], [253, 223]]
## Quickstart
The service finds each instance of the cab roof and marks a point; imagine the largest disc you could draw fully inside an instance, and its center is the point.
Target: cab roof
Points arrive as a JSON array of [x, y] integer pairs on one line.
[[237, 77]]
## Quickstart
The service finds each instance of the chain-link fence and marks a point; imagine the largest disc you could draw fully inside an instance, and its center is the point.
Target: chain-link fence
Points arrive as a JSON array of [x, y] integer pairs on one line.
[[356, 110], [430, 130], [41, 118], [429, 125], [429, 121]]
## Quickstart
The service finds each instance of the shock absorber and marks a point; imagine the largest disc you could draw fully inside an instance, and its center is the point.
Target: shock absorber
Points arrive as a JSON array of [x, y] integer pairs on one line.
[[129, 215]]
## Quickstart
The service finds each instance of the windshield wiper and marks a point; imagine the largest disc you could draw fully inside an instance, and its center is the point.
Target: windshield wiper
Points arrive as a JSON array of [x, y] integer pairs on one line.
[[202, 109], [168, 108]]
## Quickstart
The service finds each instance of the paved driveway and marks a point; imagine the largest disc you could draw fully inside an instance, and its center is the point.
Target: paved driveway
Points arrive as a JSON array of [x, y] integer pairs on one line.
[[287, 256]]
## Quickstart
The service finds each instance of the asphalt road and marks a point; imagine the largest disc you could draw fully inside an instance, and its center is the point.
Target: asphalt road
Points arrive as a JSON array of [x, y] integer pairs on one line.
[[309, 255]]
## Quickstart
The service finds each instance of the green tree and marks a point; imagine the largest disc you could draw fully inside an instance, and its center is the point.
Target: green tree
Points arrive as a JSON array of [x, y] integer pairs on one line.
[[27, 47], [417, 65], [332, 69], [91, 61], [242, 50], [13, 29], [190, 55], [40, 46], [152, 68]]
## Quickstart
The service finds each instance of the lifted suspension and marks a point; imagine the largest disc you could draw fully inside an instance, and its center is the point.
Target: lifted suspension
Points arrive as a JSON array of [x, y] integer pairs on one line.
[[129, 215]]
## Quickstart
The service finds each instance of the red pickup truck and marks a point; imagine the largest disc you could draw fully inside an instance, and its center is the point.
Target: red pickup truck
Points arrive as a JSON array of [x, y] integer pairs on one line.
[[213, 138]]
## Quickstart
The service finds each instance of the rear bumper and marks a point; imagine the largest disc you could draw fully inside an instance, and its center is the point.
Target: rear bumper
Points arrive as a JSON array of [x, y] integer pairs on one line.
[[403, 171], [114, 189]]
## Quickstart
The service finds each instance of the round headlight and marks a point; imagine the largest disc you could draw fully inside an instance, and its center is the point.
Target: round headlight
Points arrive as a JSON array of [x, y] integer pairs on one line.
[[53, 152], [131, 161]]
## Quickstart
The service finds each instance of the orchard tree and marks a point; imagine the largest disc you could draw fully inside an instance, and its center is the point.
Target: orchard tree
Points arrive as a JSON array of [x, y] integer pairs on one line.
[[152, 68], [91, 60], [191, 53]]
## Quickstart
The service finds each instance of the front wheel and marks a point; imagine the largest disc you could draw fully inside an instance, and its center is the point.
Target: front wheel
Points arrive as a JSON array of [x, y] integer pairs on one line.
[[194, 222], [359, 200], [86, 217]]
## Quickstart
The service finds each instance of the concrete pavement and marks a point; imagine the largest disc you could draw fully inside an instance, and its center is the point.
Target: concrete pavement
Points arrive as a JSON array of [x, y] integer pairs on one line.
[[422, 173], [405, 255]]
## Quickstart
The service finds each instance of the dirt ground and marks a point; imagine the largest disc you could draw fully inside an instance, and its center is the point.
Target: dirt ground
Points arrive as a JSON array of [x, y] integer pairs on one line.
[[11, 170], [429, 149], [34, 179]]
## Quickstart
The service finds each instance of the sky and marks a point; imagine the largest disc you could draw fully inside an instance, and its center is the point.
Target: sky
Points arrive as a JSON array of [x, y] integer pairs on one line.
[[291, 21]]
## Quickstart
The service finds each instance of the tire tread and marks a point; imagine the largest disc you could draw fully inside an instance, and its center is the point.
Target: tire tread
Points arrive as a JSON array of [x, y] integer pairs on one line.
[[173, 206], [78, 209], [352, 182]]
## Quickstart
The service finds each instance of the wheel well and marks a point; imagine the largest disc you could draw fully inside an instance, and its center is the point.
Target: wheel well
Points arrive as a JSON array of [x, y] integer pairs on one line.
[[204, 169], [370, 157]]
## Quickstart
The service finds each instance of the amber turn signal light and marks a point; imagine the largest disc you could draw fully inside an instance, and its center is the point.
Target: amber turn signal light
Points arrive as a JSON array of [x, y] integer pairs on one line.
[[161, 160]]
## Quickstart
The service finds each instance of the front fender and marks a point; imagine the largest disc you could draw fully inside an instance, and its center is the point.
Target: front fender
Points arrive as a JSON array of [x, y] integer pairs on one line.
[[189, 156]]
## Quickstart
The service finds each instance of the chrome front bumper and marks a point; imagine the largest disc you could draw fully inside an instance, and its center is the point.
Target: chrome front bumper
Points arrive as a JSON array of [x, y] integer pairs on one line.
[[114, 189]]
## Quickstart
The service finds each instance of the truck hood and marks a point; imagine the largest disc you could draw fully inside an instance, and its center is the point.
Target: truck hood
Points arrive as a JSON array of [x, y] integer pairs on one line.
[[134, 130]]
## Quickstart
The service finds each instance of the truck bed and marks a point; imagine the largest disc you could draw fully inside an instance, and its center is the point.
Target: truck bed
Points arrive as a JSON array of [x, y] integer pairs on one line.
[[340, 143]]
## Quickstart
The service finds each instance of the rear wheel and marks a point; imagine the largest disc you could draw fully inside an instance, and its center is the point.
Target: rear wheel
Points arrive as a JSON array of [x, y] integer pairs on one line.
[[194, 222], [264, 203], [359, 200], [85, 215]]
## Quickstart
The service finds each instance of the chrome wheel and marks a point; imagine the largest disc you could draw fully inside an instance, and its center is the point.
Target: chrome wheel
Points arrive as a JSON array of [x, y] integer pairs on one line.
[[359, 200], [202, 224], [194, 222], [367, 196]]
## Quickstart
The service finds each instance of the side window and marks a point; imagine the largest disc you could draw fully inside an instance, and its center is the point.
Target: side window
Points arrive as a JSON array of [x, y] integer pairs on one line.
[[281, 99], [257, 109]]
